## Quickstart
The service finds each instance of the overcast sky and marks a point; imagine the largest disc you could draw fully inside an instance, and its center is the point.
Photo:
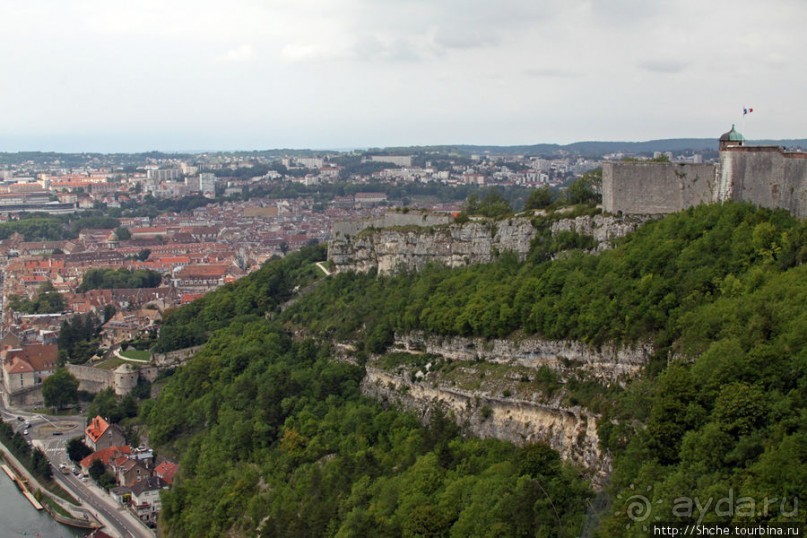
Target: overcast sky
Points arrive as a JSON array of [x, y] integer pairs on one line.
[[133, 75]]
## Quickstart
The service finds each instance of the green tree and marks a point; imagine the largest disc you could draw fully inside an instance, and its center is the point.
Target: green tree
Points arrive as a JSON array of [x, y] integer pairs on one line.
[[123, 233], [60, 389], [585, 189], [540, 198], [40, 464], [97, 469], [77, 450]]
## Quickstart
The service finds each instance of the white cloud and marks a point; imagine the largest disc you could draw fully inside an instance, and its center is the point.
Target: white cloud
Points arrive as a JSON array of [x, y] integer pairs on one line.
[[242, 54]]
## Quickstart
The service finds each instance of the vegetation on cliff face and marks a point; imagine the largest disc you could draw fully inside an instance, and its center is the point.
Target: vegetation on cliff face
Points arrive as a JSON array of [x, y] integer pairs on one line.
[[274, 436], [276, 439], [247, 299]]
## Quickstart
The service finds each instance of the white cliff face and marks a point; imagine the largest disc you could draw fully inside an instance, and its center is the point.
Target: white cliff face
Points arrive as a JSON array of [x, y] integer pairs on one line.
[[610, 364], [570, 431], [603, 228], [412, 247], [489, 387]]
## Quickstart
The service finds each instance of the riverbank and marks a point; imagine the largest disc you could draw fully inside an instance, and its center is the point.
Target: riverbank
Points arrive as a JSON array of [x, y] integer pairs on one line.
[[77, 516]]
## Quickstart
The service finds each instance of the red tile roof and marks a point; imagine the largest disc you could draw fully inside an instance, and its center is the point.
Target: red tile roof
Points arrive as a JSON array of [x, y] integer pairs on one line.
[[42, 357], [96, 428], [18, 366], [105, 455], [166, 470]]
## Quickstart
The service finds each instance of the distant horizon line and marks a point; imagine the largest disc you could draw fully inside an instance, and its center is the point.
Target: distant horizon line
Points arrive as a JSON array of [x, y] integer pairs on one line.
[[365, 148]]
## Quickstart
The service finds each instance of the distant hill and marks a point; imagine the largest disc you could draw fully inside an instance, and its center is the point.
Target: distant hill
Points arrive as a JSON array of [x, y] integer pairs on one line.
[[595, 148]]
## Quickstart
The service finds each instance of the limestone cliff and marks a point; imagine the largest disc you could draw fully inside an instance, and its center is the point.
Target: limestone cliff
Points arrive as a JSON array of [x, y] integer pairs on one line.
[[603, 228], [572, 431], [412, 247], [607, 365]]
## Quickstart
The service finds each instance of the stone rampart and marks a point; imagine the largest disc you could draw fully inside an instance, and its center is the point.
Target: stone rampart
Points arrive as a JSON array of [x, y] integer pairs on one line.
[[649, 188], [766, 176], [390, 219], [91, 379]]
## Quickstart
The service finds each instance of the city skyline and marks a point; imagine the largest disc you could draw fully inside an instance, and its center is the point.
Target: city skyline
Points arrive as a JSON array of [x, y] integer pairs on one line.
[[93, 76]]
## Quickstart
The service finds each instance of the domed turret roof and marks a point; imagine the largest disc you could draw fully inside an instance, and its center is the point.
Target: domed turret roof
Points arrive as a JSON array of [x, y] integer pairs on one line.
[[732, 136]]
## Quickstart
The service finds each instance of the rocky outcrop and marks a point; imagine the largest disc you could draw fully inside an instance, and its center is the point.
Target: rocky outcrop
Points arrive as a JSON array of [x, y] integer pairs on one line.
[[603, 228], [570, 431], [411, 247], [608, 365]]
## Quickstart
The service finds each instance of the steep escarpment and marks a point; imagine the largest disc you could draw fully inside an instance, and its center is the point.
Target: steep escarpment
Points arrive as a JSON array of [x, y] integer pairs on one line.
[[275, 438], [572, 431], [412, 247], [610, 363], [516, 390]]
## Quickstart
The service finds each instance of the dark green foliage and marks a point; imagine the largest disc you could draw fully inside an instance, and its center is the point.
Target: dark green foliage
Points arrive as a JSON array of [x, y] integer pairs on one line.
[[540, 198], [33, 460], [46, 301], [93, 222], [113, 408], [97, 469], [275, 438], [40, 464], [60, 389], [78, 338], [585, 189], [77, 450], [255, 295], [123, 233], [491, 204], [104, 279], [35, 229], [41, 227]]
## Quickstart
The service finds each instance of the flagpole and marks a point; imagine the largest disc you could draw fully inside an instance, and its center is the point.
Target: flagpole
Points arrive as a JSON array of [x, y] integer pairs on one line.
[[742, 122]]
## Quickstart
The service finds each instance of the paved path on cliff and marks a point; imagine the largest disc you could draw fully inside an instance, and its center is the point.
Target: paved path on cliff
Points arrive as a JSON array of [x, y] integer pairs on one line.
[[324, 269]]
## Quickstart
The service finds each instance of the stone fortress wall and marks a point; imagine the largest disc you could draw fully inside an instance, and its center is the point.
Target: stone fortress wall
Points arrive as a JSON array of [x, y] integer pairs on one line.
[[650, 188], [767, 176]]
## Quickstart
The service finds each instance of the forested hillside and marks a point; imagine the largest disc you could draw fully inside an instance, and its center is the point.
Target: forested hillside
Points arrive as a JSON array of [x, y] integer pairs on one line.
[[274, 436]]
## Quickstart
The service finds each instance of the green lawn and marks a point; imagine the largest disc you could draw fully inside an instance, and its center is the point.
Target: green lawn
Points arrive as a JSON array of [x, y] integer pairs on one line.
[[110, 363], [136, 355]]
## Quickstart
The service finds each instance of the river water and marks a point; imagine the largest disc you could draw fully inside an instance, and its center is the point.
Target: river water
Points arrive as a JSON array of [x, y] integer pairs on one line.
[[19, 518]]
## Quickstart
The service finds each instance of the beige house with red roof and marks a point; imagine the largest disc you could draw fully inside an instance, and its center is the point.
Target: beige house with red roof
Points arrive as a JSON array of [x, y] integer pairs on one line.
[[99, 435], [28, 365]]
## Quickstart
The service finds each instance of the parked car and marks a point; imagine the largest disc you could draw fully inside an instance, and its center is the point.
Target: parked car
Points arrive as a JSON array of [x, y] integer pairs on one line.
[[25, 432]]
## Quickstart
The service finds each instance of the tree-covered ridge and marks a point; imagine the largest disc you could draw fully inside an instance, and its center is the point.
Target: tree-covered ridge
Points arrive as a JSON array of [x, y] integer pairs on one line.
[[275, 438], [272, 430], [634, 292], [253, 296]]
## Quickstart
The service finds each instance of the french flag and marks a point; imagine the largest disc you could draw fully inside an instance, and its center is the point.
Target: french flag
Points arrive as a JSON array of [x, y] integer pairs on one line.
[[747, 110]]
